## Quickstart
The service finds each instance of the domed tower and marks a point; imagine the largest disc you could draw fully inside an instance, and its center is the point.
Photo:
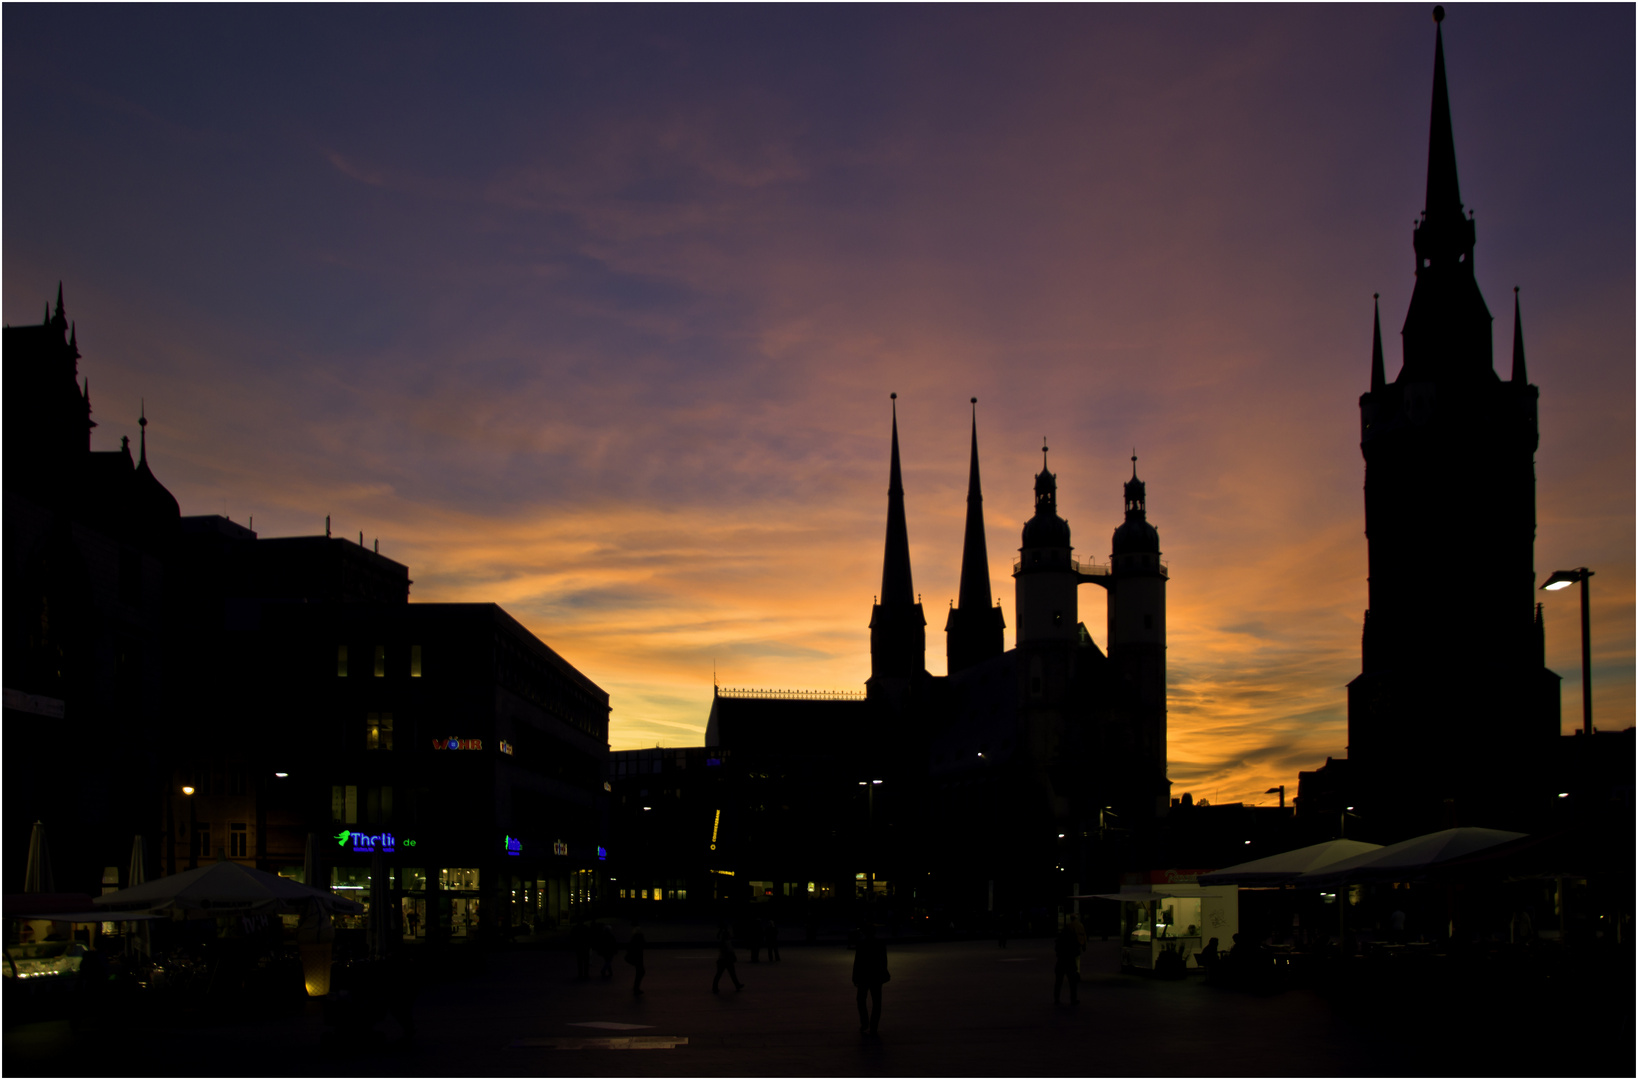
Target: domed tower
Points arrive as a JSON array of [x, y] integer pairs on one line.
[[1137, 625], [1045, 577]]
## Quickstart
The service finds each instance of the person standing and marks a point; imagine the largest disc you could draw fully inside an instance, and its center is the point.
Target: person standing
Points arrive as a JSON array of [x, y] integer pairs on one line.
[[770, 936], [725, 958], [635, 945], [869, 973], [1067, 949]]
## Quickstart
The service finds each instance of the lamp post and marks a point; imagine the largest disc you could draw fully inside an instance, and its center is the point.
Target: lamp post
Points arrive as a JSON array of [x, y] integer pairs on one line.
[[870, 840], [1563, 579], [1280, 791], [193, 828]]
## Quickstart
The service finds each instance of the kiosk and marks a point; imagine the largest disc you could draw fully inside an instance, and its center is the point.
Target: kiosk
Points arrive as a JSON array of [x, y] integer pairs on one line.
[[1169, 911]]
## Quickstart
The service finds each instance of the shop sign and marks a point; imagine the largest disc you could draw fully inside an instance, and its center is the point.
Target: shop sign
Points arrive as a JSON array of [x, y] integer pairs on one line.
[[602, 854], [513, 845], [559, 848], [505, 748], [383, 842], [452, 743]]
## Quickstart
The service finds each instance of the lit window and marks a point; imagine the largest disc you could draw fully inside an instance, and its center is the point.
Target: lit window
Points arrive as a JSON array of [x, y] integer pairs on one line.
[[378, 731], [238, 840], [380, 661], [415, 661], [341, 661]]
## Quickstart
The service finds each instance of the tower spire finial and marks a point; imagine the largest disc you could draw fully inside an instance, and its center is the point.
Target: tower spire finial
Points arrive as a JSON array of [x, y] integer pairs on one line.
[[975, 560], [898, 642], [142, 422], [60, 319], [1444, 196], [1519, 374], [896, 585]]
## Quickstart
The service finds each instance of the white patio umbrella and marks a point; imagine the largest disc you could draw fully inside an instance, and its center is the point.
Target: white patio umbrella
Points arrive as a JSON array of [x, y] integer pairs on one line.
[[1288, 865], [224, 888], [37, 877], [1408, 859]]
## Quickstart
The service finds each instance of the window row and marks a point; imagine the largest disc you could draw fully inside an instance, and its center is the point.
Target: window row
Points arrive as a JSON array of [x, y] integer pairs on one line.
[[379, 667]]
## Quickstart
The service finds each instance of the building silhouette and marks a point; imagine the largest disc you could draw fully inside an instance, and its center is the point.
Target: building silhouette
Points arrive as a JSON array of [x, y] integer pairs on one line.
[[990, 789], [1453, 710], [225, 694]]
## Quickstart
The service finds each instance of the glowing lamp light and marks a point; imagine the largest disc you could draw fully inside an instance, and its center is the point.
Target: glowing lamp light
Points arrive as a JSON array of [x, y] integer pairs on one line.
[[1554, 586], [1564, 794], [281, 775], [187, 789]]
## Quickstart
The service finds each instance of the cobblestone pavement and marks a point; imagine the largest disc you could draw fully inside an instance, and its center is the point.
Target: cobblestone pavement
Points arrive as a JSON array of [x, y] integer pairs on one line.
[[951, 1009]]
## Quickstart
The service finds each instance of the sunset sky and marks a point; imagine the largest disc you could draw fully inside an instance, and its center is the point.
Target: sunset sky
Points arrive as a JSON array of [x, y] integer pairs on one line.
[[594, 311]]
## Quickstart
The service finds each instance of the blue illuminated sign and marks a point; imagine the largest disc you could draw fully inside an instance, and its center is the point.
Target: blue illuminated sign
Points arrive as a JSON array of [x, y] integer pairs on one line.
[[602, 853], [513, 845], [383, 842]]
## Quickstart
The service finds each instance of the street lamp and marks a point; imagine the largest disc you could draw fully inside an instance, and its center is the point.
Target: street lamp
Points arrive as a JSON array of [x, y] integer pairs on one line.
[[870, 845], [1280, 791], [1342, 824], [1563, 579]]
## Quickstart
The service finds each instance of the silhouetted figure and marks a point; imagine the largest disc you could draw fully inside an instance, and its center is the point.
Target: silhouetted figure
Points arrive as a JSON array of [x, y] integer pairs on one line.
[[605, 946], [770, 935], [869, 973], [725, 958], [414, 923], [1067, 949], [1208, 958], [635, 945], [580, 938]]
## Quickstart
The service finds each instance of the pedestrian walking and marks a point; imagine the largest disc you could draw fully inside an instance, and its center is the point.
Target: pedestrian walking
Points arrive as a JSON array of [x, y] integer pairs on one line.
[[604, 945], [1067, 949], [869, 973], [725, 958], [770, 935], [580, 938], [635, 945]]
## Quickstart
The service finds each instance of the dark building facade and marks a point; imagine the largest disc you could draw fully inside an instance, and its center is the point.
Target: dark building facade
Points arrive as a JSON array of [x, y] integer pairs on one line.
[[274, 701], [89, 544], [1453, 707]]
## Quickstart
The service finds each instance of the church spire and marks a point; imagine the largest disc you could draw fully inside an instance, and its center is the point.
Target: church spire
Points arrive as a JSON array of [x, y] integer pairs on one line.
[[975, 559], [898, 631], [975, 630], [60, 319], [1519, 375], [896, 587], [142, 422], [1379, 374]]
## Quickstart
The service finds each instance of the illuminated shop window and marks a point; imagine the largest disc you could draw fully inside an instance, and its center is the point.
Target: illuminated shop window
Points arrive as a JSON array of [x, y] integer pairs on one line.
[[463, 879], [415, 661], [341, 660], [378, 731], [238, 840], [380, 661]]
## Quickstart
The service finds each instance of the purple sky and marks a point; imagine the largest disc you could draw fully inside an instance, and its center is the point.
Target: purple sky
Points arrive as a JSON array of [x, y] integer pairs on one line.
[[594, 311]]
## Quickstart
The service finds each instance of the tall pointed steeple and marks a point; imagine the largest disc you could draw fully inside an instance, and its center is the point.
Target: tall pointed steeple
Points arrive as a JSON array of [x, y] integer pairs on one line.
[[1447, 329], [896, 586], [975, 629], [1444, 194], [60, 318], [898, 631], [1379, 375], [1519, 375]]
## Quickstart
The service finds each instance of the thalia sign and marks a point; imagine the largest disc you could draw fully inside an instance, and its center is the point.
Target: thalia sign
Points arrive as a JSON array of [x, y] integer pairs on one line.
[[383, 842]]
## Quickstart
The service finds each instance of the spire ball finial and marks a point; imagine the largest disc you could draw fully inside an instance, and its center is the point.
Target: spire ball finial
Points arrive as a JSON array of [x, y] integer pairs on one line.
[[1438, 13], [1376, 296], [895, 397], [975, 401]]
